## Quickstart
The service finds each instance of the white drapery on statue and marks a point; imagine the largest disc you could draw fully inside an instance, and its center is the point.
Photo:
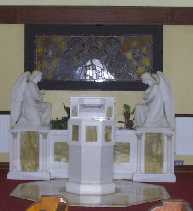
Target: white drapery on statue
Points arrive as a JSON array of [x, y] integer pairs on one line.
[[157, 108], [28, 111]]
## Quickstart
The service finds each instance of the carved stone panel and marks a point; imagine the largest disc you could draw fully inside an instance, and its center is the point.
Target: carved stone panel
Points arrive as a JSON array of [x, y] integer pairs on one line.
[[29, 149], [121, 153], [108, 133], [154, 153], [75, 133], [61, 152], [91, 133]]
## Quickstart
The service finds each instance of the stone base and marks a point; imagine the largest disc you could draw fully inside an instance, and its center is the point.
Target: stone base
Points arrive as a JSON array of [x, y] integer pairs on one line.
[[123, 175], [127, 193], [95, 189], [18, 175], [58, 173], [154, 178]]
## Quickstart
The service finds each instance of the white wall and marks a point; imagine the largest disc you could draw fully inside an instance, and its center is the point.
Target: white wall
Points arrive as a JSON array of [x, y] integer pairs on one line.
[[184, 135], [4, 133]]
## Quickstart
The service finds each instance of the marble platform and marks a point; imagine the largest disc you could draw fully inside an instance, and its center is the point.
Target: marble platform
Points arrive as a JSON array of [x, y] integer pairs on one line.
[[127, 193]]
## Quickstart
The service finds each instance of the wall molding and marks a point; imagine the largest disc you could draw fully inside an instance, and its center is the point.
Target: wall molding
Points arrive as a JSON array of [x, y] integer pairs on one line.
[[4, 167], [184, 169], [96, 15], [183, 115], [176, 115], [4, 112]]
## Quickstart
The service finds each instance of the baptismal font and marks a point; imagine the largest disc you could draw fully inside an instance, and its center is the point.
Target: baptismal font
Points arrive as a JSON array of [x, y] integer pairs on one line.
[[91, 146]]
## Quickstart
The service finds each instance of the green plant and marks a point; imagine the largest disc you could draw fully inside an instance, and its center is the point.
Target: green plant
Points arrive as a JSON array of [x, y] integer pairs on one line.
[[127, 109], [127, 113], [67, 110], [61, 124]]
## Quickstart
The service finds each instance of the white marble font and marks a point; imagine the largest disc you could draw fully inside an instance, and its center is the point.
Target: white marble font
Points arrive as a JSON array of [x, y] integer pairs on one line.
[[91, 146]]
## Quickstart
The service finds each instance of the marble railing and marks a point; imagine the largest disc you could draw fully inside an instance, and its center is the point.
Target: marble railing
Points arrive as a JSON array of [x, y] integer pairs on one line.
[[184, 134]]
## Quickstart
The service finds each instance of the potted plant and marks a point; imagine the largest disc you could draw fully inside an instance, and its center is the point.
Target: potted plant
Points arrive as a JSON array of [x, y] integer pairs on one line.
[[66, 118], [61, 124], [127, 113]]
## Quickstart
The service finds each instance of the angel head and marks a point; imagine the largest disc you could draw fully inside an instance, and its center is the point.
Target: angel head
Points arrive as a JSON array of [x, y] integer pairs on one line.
[[36, 76], [150, 79], [147, 79]]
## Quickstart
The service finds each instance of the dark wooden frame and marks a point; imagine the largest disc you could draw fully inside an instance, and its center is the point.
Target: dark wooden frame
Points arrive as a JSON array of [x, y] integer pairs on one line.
[[36, 29], [96, 15]]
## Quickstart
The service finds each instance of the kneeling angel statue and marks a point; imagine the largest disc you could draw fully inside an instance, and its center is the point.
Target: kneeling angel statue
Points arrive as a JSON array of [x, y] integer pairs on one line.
[[28, 111], [157, 108]]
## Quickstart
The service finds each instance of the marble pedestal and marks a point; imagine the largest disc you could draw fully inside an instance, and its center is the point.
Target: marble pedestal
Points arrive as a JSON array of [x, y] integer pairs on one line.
[[125, 154], [28, 155], [155, 155], [58, 153]]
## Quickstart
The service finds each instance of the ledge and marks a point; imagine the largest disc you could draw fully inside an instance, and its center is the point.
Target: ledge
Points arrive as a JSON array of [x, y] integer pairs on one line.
[[4, 166]]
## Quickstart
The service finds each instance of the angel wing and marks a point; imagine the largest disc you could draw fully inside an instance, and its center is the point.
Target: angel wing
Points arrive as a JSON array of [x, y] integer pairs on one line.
[[17, 97], [168, 99]]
